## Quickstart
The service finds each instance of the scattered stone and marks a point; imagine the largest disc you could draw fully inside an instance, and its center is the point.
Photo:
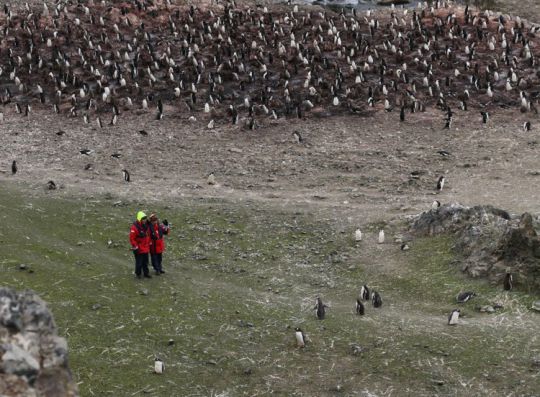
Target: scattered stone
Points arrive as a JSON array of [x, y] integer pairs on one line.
[[248, 371], [143, 291], [22, 266], [96, 306], [486, 309], [211, 362], [356, 349], [536, 306], [439, 382], [170, 342]]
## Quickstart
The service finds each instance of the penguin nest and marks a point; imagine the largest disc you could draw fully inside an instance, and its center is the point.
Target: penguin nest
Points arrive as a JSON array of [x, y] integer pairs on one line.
[[250, 64]]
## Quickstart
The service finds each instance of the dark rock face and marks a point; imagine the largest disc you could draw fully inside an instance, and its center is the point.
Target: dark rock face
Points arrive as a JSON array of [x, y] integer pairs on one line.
[[33, 358], [489, 240]]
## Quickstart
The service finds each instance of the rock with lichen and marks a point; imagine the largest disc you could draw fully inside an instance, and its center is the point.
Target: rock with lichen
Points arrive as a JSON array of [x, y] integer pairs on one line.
[[33, 358]]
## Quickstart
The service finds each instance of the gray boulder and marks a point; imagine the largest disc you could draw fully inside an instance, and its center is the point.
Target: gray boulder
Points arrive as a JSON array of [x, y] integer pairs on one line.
[[489, 241], [33, 358]]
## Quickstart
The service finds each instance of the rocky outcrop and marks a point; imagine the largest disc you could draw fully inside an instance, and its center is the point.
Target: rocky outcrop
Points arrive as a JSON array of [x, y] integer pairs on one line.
[[489, 240], [33, 358]]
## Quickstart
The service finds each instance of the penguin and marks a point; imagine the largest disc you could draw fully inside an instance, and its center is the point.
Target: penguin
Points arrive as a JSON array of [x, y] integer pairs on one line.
[[116, 155], [448, 123], [364, 293], [376, 299], [320, 307], [159, 367], [14, 167], [453, 317], [405, 247], [51, 185], [508, 281], [527, 126], [357, 235], [485, 117], [359, 307], [86, 152], [211, 179], [300, 337], [126, 175], [381, 236], [211, 124], [435, 205], [444, 153], [440, 183], [465, 296], [402, 114], [297, 137], [99, 122]]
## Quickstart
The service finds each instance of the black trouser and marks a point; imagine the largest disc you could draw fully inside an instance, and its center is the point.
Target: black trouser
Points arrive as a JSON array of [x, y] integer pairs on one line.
[[156, 262], [141, 263]]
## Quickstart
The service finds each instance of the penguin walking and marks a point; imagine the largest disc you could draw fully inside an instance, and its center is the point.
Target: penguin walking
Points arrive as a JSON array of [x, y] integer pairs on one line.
[[359, 307], [364, 293], [527, 126], [300, 337], [376, 299], [159, 367], [453, 317], [126, 175], [357, 235], [381, 236], [14, 167], [508, 281], [321, 308], [297, 137], [465, 296], [440, 183]]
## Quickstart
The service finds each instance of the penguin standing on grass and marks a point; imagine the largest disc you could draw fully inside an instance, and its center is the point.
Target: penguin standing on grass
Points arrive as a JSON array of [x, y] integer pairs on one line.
[[321, 308], [300, 337], [159, 367], [359, 307], [376, 299], [364, 293], [453, 317]]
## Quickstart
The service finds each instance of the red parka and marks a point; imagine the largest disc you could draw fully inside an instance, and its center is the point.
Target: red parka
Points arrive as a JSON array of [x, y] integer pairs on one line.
[[139, 237], [157, 231]]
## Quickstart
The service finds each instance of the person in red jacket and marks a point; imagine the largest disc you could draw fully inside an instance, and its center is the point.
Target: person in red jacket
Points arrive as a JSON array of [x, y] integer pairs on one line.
[[139, 237], [157, 246]]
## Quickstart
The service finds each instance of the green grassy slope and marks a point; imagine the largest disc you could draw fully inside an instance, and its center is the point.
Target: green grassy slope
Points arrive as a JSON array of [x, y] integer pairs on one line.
[[238, 281]]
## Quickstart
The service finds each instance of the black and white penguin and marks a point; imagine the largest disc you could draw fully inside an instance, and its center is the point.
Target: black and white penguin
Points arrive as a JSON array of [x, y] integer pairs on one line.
[[435, 205], [359, 307], [300, 337], [440, 183], [453, 317], [159, 367], [376, 299], [51, 185], [14, 167], [402, 114], [99, 122], [320, 307], [485, 117], [527, 126], [86, 152], [465, 296], [448, 123], [405, 247], [508, 281], [444, 153], [297, 137], [364, 293], [126, 175]]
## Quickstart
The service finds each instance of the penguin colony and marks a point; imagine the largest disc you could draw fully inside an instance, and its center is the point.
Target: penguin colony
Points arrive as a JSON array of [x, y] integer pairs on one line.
[[241, 64]]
